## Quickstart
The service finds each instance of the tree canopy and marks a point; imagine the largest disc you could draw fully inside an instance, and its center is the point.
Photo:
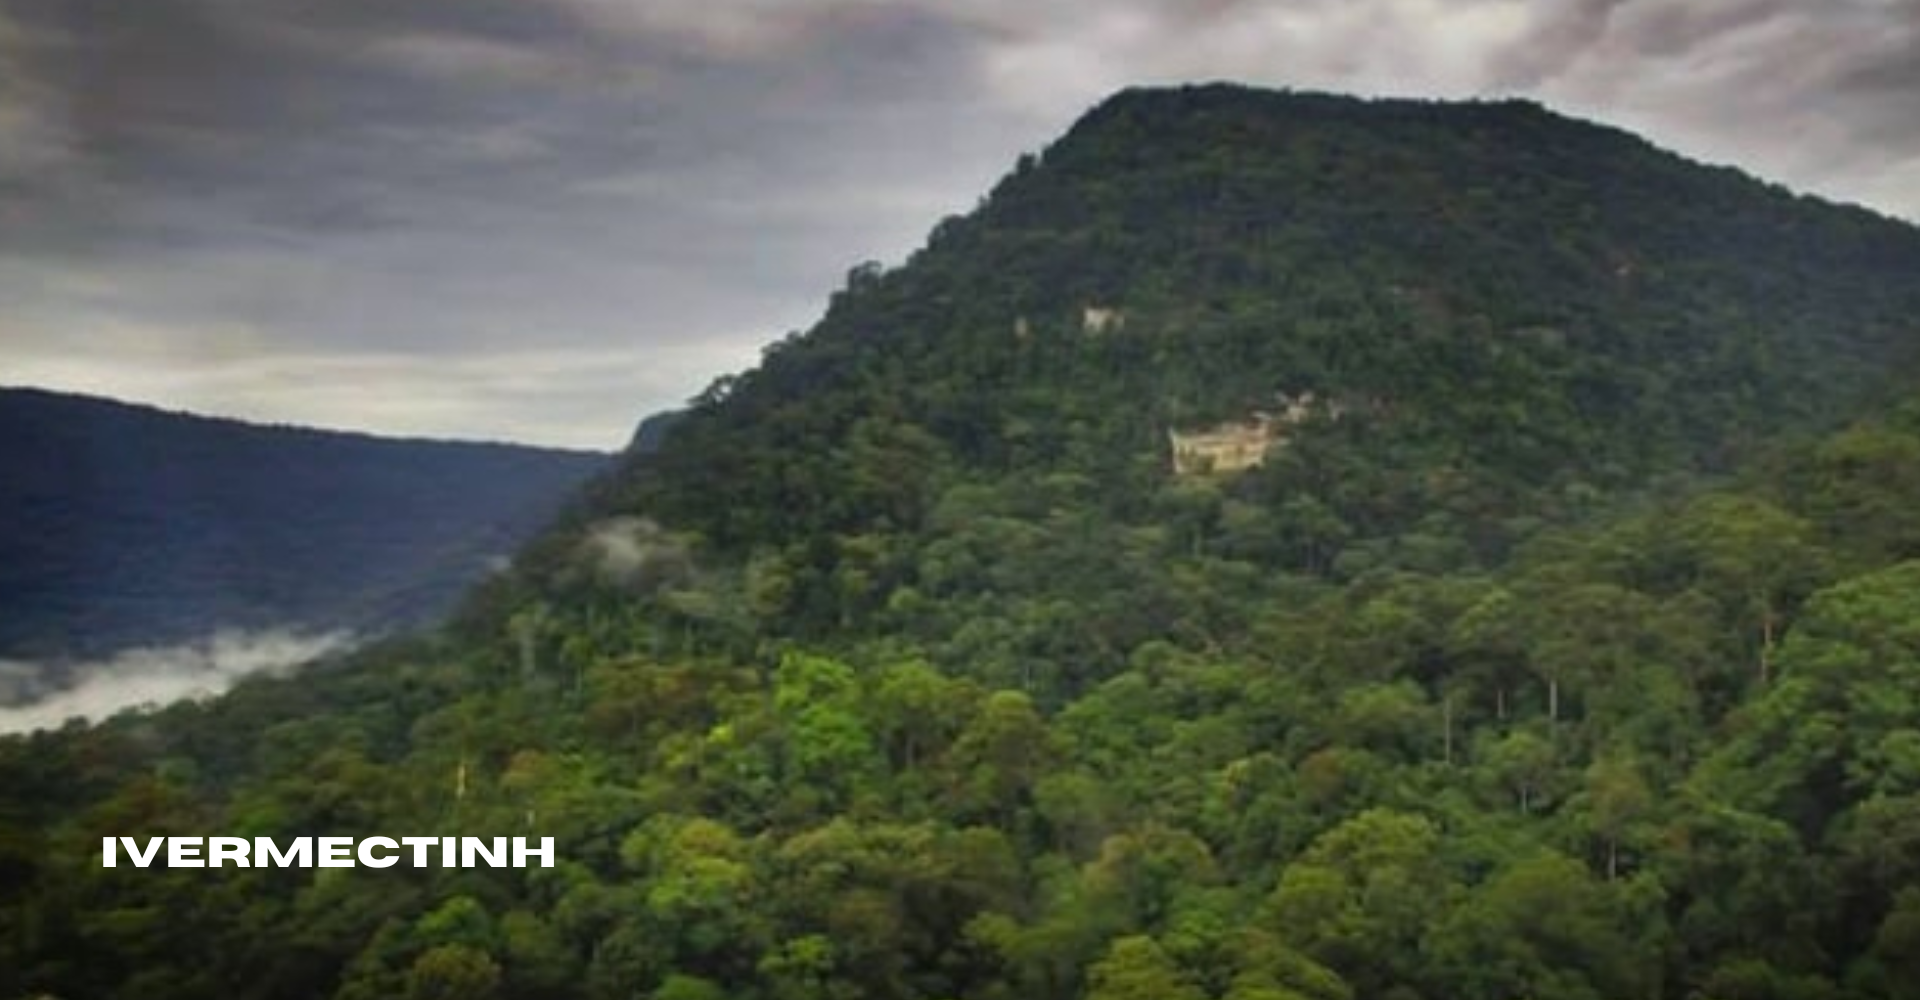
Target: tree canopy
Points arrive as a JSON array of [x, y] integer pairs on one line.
[[1563, 649]]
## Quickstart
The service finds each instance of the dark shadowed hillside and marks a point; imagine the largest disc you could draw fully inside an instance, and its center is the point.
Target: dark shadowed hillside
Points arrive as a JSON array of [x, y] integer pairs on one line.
[[124, 525]]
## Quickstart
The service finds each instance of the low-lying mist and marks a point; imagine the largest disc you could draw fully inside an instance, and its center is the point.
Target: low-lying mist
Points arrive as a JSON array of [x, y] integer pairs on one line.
[[37, 695]]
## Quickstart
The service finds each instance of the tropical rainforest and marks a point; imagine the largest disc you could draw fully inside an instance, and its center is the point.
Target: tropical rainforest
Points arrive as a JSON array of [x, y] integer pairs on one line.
[[1565, 645]]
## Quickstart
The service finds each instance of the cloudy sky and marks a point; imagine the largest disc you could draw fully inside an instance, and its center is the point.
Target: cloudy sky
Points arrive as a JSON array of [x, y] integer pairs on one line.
[[540, 219]]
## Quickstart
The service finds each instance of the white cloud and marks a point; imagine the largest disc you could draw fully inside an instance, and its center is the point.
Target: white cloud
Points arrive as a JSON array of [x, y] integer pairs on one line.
[[152, 676]]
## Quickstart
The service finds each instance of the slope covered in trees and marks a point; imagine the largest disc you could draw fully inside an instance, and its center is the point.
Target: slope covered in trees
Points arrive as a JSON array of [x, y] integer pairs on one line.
[[1504, 316], [123, 525], [1564, 649]]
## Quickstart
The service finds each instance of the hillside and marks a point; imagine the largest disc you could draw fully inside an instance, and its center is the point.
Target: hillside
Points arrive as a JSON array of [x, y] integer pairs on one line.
[[1499, 316], [1278, 546], [124, 525]]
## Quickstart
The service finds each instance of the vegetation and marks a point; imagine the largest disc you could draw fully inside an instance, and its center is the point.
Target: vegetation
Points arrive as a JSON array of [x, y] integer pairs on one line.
[[123, 525], [1568, 651]]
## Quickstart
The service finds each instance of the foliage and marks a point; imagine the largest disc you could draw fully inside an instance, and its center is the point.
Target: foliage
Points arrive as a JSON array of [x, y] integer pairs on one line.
[[1573, 657]]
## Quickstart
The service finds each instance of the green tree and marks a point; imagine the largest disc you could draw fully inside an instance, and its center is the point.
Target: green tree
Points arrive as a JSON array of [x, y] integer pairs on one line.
[[1616, 805], [453, 972], [1758, 559], [1135, 968], [1361, 896], [1544, 928]]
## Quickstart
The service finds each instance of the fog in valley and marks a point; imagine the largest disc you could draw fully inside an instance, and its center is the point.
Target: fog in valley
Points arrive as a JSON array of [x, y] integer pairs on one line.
[[37, 695]]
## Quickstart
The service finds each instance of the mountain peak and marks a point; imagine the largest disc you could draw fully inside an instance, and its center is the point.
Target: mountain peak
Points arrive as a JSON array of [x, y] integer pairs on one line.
[[1198, 109], [1514, 304]]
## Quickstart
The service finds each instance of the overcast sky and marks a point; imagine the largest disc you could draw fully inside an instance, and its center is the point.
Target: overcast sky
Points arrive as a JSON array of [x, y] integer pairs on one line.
[[538, 220]]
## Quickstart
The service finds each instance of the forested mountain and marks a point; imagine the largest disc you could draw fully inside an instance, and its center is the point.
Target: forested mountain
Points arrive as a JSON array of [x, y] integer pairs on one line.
[[1499, 317], [125, 525], [1279, 546]]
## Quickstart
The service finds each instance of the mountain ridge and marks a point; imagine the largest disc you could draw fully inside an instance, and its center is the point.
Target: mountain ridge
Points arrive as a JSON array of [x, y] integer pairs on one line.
[[70, 397], [128, 525]]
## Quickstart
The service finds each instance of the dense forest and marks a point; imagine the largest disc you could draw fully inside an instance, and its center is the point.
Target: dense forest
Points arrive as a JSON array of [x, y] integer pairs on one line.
[[1565, 645], [125, 525]]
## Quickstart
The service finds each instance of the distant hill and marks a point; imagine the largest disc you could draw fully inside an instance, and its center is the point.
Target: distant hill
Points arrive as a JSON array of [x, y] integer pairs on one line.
[[124, 525]]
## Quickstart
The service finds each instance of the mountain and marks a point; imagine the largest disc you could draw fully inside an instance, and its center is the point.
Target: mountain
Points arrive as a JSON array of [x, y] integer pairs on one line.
[[1278, 546], [1466, 321], [124, 525]]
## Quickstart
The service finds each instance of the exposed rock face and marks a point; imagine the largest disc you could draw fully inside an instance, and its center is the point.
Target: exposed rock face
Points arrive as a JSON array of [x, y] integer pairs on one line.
[[1100, 319], [1223, 448], [1237, 446]]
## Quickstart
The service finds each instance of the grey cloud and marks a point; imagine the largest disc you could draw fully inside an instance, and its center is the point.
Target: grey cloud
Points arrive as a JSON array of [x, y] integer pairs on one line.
[[325, 224], [1823, 97], [1559, 36], [33, 134], [463, 190], [1665, 30], [1883, 81]]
